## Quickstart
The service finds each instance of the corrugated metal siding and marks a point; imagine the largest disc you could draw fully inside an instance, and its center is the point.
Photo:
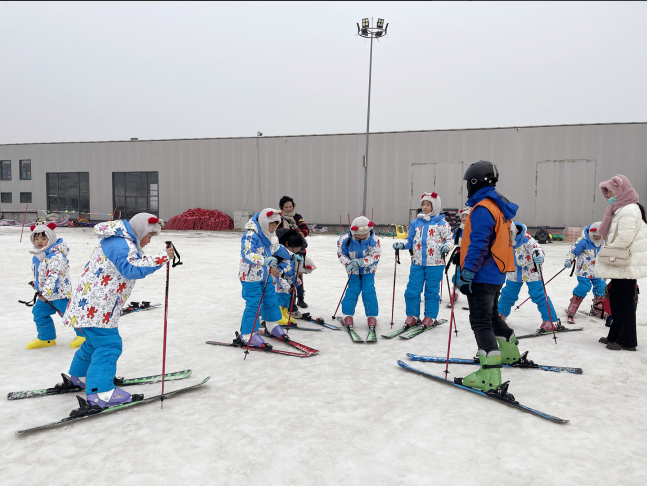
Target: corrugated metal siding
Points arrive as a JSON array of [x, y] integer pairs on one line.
[[551, 172]]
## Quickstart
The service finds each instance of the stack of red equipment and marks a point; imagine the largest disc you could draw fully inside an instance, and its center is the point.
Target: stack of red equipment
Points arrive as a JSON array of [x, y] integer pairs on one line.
[[200, 219]]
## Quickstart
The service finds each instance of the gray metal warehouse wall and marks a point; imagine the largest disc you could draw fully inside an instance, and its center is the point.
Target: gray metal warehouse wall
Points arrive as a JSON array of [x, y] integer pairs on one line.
[[552, 172]]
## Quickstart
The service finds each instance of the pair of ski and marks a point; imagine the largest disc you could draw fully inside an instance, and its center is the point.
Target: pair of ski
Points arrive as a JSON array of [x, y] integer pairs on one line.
[[500, 395], [121, 382], [371, 338], [408, 332], [136, 307], [308, 318], [541, 332], [304, 351]]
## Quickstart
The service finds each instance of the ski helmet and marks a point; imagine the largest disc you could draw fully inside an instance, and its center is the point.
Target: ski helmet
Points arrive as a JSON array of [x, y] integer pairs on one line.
[[479, 175]]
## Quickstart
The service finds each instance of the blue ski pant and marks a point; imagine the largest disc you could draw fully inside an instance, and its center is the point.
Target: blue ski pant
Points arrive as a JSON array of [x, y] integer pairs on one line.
[[44, 323], [584, 286], [270, 310], [510, 295], [97, 357], [284, 299], [364, 286], [428, 278]]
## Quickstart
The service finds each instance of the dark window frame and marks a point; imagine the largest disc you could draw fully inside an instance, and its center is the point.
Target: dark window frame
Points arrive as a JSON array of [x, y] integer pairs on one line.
[[3, 196], [20, 169], [2, 170], [135, 192], [66, 193], [24, 196]]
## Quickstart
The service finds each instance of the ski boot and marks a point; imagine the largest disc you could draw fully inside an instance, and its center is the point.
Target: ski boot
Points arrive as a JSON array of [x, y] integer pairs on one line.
[[77, 342], [276, 331], [286, 315], [572, 308], [372, 322], [256, 341], [509, 349], [348, 322], [428, 322], [301, 303], [488, 377], [70, 384], [411, 322], [145, 305], [597, 309], [97, 402], [37, 343], [503, 318], [547, 327]]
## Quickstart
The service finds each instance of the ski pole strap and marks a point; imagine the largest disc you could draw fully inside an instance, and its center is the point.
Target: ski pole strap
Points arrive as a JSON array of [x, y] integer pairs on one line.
[[30, 303], [176, 253], [397, 256], [573, 270]]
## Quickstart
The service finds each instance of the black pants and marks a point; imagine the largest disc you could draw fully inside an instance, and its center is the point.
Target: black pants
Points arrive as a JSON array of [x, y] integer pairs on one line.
[[300, 289], [484, 317], [622, 297]]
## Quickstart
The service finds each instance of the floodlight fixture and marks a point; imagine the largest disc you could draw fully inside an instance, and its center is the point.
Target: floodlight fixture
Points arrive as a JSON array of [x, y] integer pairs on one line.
[[380, 23]]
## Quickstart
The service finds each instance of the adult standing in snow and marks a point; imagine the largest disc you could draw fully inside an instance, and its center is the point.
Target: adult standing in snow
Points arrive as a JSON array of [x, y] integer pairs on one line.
[[485, 258], [624, 227], [116, 263], [293, 220]]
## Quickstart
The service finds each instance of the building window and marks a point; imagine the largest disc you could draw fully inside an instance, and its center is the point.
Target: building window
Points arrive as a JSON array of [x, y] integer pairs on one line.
[[68, 191], [135, 192], [25, 197], [25, 170], [6, 170], [5, 197]]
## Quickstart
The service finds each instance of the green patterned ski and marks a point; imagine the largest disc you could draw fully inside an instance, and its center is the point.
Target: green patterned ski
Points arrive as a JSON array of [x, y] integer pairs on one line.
[[353, 335], [116, 408], [145, 380], [397, 332], [372, 337], [420, 329]]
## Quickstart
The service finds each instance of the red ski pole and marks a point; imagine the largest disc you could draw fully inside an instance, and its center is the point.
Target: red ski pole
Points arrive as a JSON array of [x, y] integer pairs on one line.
[[395, 270], [23, 222], [257, 312], [452, 297], [546, 284], [168, 275], [342, 296], [452, 317], [541, 274]]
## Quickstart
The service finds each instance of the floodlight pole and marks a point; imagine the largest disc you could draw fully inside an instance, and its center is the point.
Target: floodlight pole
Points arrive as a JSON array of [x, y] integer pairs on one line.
[[368, 121]]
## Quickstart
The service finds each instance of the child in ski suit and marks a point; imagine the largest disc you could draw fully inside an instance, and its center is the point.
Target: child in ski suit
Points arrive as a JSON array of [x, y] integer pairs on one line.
[[259, 251], [359, 252], [52, 280], [286, 282], [116, 263], [527, 254], [585, 251], [430, 237]]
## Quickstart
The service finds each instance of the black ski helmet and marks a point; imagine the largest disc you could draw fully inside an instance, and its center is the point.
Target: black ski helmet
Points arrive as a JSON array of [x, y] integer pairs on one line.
[[479, 175]]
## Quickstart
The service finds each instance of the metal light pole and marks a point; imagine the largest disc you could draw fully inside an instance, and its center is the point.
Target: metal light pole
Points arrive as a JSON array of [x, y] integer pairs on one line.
[[369, 32]]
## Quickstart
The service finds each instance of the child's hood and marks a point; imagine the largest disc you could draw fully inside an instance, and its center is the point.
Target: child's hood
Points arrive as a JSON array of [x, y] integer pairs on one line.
[[58, 247], [118, 228]]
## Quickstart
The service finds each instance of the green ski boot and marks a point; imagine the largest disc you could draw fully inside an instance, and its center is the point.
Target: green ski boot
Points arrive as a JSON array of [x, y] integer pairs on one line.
[[488, 377], [509, 349]]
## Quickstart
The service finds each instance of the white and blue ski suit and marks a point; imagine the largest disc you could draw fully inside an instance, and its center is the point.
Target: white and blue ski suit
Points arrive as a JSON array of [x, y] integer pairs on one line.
[[585, 252], [285, 282], [362, 280], [255, 247], [524, 248], [95, 307], [52, 280], [427, 239]]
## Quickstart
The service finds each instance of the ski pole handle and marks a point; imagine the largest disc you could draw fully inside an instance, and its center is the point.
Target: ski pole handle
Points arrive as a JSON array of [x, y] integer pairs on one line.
[[44, 299], [573, 270], [175, 253]]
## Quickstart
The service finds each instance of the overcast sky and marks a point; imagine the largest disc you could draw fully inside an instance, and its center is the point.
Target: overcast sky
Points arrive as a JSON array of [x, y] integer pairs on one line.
[[112, 71]]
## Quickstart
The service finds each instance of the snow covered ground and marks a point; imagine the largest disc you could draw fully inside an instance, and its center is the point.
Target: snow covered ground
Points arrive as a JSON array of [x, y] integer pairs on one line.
[[347, 416]]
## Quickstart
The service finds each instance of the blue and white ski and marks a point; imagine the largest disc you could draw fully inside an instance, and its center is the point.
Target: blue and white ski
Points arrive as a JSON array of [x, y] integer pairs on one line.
[[475, 361], [507, 401]]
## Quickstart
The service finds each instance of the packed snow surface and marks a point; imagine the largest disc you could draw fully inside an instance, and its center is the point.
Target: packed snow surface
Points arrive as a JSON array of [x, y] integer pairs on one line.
[[347, 416]]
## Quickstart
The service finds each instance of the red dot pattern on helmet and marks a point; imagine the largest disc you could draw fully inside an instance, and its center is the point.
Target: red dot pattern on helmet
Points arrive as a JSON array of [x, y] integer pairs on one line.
[[434, 195], [371, 224], [153, 220], [593, 229], [354, 228], [32, 227], [51, 226]]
